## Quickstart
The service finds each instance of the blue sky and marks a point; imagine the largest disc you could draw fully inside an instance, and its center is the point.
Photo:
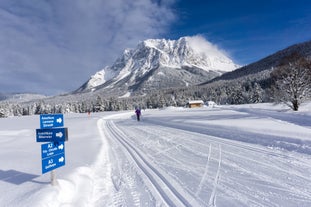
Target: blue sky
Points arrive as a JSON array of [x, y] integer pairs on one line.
[[248, 30], [53, 47]]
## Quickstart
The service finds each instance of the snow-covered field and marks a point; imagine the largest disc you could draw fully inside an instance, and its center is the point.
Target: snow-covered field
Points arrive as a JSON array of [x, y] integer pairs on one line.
[[247, 155]]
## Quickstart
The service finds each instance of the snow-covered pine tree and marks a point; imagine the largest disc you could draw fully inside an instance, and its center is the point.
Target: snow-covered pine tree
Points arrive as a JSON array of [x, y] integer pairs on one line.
[[292, 81]]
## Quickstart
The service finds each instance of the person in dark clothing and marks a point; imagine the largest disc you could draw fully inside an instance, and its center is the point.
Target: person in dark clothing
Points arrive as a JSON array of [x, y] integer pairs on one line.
[[138, 113]]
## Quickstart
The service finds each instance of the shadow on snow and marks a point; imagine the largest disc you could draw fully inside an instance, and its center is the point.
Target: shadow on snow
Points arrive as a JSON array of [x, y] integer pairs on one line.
[[17, 177]]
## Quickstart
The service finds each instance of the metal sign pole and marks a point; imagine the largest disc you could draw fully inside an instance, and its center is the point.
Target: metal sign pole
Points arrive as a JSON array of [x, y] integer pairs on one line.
[[53, 178]]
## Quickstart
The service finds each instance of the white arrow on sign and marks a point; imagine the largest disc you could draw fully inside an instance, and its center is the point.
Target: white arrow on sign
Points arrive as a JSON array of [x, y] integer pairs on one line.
[[59, 120], [59, 134], [61, 147], [61, 159]]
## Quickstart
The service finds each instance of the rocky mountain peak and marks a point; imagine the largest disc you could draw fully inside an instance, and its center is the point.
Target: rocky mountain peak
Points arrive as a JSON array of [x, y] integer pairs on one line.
[[135, 67]]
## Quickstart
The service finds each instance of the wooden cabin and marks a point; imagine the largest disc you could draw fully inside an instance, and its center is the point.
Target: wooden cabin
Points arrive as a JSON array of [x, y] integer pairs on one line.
[[195, 104]]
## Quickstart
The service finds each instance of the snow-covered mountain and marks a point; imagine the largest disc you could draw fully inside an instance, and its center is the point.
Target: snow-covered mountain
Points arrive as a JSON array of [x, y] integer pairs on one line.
[[159, 63]]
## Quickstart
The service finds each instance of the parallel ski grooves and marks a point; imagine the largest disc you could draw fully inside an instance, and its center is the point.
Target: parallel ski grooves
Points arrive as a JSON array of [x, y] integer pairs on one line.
[[168, 193]]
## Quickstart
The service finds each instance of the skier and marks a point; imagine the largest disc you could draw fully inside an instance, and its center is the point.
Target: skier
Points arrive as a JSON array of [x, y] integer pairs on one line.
[[138, 113]]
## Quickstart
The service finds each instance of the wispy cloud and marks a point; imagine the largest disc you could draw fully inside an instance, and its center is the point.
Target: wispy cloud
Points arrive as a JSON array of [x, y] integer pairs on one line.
[[53, 46]]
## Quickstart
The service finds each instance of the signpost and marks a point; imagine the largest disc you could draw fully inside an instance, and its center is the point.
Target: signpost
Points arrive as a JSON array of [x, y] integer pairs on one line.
[[51, 120], [52, 135], [52, 153], [53, 162], [52, 149]]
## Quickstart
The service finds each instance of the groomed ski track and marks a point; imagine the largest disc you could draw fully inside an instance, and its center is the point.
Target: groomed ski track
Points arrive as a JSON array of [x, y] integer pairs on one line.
[[162, 186]]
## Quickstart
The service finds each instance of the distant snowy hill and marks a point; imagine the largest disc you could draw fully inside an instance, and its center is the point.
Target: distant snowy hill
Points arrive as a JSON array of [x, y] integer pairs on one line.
[[159, 63], [20, 97]]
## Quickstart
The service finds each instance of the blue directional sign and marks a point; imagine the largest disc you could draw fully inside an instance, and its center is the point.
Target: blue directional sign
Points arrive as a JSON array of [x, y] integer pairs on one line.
[[51, 120], [52, 131], [53, 162], [52, 135], [52, 149]]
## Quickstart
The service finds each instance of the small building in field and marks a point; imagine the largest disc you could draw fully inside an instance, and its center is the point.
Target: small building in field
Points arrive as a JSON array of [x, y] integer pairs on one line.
[[195, 104]]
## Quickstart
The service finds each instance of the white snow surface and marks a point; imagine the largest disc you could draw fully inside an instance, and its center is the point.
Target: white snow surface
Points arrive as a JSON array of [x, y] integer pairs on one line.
[[246, 155]]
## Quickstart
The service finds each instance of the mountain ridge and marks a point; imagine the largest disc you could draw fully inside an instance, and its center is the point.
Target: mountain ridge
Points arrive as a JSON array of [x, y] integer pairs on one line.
[[267, 63]]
